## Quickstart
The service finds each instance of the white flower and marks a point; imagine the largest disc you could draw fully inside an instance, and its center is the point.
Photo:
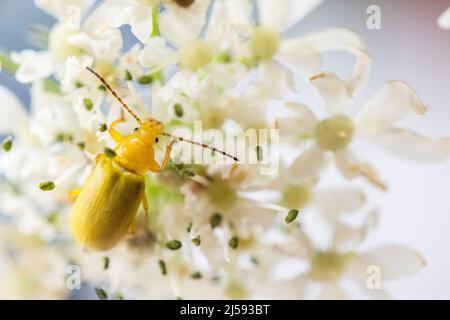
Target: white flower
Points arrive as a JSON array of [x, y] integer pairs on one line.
[[267, 54], [284, 14], [183, 25], [333, 271], [31, 268], [444, 19], [138, 14], [331, 203], [270, 50], [68, 37], [220, 201], [375, 122], [153, 17], [60, 9], [32, 65]]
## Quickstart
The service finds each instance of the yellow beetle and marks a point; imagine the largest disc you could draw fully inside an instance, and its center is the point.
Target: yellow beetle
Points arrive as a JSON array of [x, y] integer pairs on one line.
[[106, 205]]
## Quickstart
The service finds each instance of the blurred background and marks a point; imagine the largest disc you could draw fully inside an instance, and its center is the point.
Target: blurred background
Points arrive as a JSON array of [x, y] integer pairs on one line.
[[410, 47]]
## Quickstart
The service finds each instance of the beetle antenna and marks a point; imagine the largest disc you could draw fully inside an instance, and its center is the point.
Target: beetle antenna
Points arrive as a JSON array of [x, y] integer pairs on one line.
[[126, 107], [203, 145]]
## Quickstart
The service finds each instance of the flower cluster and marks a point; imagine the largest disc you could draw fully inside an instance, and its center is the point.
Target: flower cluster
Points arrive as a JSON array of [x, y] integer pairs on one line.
[[218, 230]]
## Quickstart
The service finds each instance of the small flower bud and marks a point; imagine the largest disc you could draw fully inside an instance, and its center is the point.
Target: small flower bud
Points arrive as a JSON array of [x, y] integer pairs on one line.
[[196, 275], [47, 185], [101, 293], [196, 241], [105, 263], [162, 267], [259, 153], [174, 245], [233, 242], [178, 108], [291, 216], [216, 220], [102, 127], [7, 144], [81, 145], [128, 76], [145, 79], [88, 104]]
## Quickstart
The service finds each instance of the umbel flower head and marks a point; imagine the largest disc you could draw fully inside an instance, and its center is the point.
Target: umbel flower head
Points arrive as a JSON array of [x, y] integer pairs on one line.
[[213, 230], [337, 270], [375, 122]]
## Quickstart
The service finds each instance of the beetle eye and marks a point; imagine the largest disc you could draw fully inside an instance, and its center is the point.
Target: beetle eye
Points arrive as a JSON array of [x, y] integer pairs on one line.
[[156, 140], [136, 129]]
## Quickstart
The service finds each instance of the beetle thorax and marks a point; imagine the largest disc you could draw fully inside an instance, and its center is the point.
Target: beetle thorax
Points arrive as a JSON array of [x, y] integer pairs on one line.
[[134, 154]]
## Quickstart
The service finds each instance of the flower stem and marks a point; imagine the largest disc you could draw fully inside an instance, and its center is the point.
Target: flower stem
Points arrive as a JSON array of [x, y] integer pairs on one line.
[[155, 32]]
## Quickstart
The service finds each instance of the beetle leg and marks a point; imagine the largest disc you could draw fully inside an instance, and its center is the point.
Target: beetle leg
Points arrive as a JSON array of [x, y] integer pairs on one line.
[[155, 167], [117, 137], [145, 205], [133, 227]]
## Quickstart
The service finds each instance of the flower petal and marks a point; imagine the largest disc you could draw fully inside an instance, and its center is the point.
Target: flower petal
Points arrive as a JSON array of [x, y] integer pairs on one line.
[[351, 167], [13, 108], [337, 93], [282, 14], [395, 261], [52, 115], [333, 90], [300, 55], [359, 272], [444, 19], [157, 53], [138, 16], [301, 122], [299, 245], [334, 38], [60, 9], [304, 52], [103, 45], [412, 146], [183, 25], [306, 168], [249, 109], [296, 288], [88, 119], [392, 103], [129, 62], [361, 71], [332, 291], [275, 80], [33, 65], [347, 238], [227, 19], [73, 71], [334, 202]]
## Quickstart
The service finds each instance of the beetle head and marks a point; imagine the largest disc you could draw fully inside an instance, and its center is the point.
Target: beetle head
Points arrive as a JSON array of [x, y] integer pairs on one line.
[[149, 131]]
